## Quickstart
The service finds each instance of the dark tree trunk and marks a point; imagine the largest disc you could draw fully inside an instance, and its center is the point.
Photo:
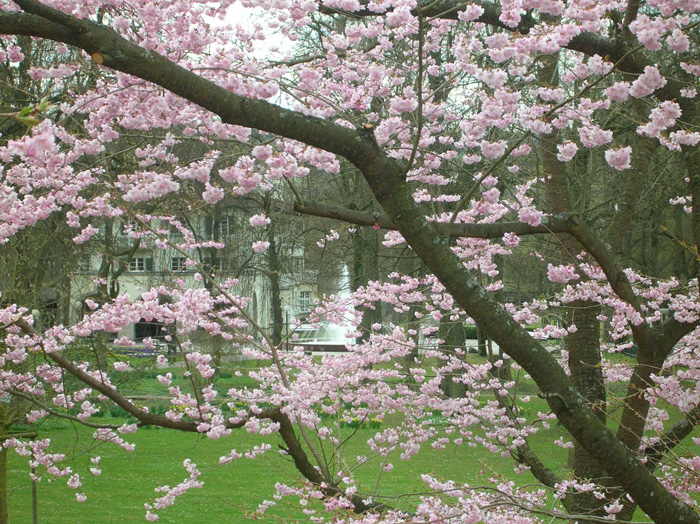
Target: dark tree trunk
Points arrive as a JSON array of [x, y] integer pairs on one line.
[[481, 341], [452, 334], [365, 267], [583, 345], [274, 274]]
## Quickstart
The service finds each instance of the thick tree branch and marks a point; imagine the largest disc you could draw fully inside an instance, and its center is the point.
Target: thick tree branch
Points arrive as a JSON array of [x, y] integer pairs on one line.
[[562, 223], [631, 12], [601, 254], [117, 53], [618, 461]]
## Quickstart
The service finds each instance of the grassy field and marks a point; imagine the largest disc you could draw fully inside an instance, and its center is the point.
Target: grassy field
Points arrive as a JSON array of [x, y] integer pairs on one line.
[[128, 480], [231, 492]]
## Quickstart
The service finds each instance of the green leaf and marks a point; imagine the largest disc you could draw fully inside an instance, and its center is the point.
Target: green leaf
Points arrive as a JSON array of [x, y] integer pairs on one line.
[[25, 111], [29, 121]]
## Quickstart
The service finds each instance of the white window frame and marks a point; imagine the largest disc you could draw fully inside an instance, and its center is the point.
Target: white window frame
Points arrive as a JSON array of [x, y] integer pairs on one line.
[[138, 264], [178, 263], [304, 301]]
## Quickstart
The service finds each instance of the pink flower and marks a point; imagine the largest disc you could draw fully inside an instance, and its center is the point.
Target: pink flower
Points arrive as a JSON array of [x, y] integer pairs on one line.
[[472, 12], [399, 16], [530, 215], [121, 366], [491, 196], [259, 220], [74, 481], [212, 194], [260, 246], [402, 105], [493, 149], [592, 136], [618, 92], [619, 158], [32, 146], [613, 508], [91, 304], [262, 152], [567, 150], [647, 83], [86, 234], [561, 274], [678, 41]]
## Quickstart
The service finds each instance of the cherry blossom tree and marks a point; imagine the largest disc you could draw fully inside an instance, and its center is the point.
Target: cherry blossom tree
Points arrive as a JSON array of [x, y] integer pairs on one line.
[[469, 123]]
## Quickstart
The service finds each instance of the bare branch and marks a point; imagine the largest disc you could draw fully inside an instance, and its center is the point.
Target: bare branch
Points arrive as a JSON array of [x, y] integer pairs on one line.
[[562, 223], [671, 438], [58, 414], [145, 418]]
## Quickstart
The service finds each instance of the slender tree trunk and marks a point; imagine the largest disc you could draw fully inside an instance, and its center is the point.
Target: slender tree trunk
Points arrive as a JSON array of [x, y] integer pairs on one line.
[[63, 300], [583, 345], [365, 267], [481, 342], [3, 485], [274, 274], [452, 333], [4, 428]]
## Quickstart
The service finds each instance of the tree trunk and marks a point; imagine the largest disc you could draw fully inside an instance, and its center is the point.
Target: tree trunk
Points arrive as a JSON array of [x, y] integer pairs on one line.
[[4, 427], [3, 485], [481, 342], [583, 345], [274, 274], [452, 333], [586, 374], [365, 267]]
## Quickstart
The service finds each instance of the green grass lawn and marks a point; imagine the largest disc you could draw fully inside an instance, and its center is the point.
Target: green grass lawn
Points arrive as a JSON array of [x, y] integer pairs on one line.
[[128, 479], [233, 491]]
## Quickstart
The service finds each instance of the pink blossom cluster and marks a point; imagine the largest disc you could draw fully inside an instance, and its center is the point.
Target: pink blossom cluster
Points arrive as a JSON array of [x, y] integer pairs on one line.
[[171, 494], [619, 158]]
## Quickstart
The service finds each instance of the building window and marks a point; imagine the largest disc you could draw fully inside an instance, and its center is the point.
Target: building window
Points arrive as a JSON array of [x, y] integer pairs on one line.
[[220, 264], [84, 263], [178, 264], [141, 264], [224, 227], [296, 264], [304, 300]]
